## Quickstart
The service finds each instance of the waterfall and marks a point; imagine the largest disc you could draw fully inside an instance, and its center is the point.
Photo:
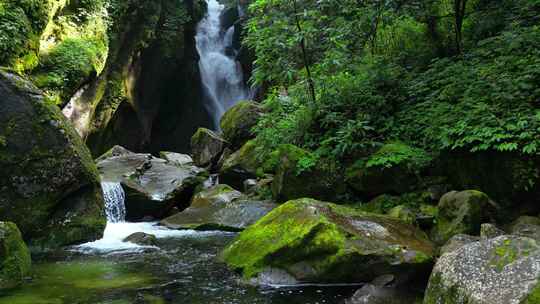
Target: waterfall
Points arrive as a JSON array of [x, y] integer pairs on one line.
[[221, 75], [114, 196]]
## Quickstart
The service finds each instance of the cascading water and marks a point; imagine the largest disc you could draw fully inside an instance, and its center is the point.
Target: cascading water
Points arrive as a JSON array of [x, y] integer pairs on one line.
[[114, 196], [221, 74]]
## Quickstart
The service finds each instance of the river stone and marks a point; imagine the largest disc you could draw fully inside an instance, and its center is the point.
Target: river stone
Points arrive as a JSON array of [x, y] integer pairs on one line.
[[49, 182], [237, 123], [315, 241], [489, 231], [457, 241], [240, 166], [460, 213], [502, 270], [141, 238], [527, 226], [321, 180], [206, 147], [176, 158], [14, 256], [219, 208], [153, 186]]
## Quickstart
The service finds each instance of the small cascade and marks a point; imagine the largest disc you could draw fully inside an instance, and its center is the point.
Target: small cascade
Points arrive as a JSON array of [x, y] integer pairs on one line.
[[115, 207], [221, 74]]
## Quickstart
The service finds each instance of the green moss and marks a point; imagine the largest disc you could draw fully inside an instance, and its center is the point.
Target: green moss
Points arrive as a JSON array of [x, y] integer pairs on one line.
[[534, 295], [238, 121], [15, 259]]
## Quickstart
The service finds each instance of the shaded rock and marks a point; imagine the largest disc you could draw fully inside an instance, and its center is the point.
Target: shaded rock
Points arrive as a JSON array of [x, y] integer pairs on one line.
[[319, 180], [502, 270], [206, 147], [238, 121], [489, 231], [402, 213], [141, 238], [461, 213], [457, 241], [526, 226], [315, 241], [374, 294], [219, 208], [374, 176], [14, 256], [153, 186], [240, 166], [176, 158], [49, 182]]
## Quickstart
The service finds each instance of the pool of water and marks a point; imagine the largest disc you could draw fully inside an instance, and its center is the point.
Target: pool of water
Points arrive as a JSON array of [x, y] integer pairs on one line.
[[183, 268]]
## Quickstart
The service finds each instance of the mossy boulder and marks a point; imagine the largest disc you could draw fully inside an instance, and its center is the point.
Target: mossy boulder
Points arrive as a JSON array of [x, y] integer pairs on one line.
[[240, 166], [301, 174], [153, 186], [526, 226], [461, 213], [15, 259], [394, 169], [314, 241], [141, 238], [206, 147], [49, 182], [501, 270], [219, 208], [238, 121], [403, 213]]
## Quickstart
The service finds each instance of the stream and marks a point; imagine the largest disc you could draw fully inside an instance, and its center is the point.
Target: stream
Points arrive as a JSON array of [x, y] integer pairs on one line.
[[183, 268]]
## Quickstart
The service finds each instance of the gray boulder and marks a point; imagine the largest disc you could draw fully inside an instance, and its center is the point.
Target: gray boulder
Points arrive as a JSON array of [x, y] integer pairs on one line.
[[527, 226], [206, 147], [177, 159], [153, 186], [141, 238], [502, 270]]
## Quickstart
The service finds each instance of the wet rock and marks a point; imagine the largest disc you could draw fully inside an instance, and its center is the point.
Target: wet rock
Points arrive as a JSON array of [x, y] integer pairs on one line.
[[526, 226], [49, 182], [240, 166], [402, 213], [489, 231], [14, 256], [502, 270], [377, 294], [321, 180], [461, 213], [141, 238], [153, 186], [176, 158], [219, 208], [238, 121], [206, 147], [315, 241]]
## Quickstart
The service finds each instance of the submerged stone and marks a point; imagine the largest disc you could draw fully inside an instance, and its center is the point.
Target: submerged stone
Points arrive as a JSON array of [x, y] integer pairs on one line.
[[14, 256], [502, 270], [315, 241]]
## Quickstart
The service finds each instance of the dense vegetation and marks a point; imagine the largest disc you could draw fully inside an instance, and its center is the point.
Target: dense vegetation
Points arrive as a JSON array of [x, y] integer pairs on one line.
[[428, 76]]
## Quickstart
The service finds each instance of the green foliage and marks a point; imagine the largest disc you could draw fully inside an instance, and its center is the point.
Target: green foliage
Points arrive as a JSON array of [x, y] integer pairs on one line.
[[485, 101], [69, 64], [396, 154]]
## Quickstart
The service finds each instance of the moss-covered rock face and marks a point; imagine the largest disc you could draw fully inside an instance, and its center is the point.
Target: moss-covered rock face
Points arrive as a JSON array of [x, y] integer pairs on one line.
[[153, 186], [49, 183], [206, 147], [219, 208], [394, 168], [240, 166], [501, 270], [322, 242], [300, 174], [14, 256], [238, 121], [461, 213]]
